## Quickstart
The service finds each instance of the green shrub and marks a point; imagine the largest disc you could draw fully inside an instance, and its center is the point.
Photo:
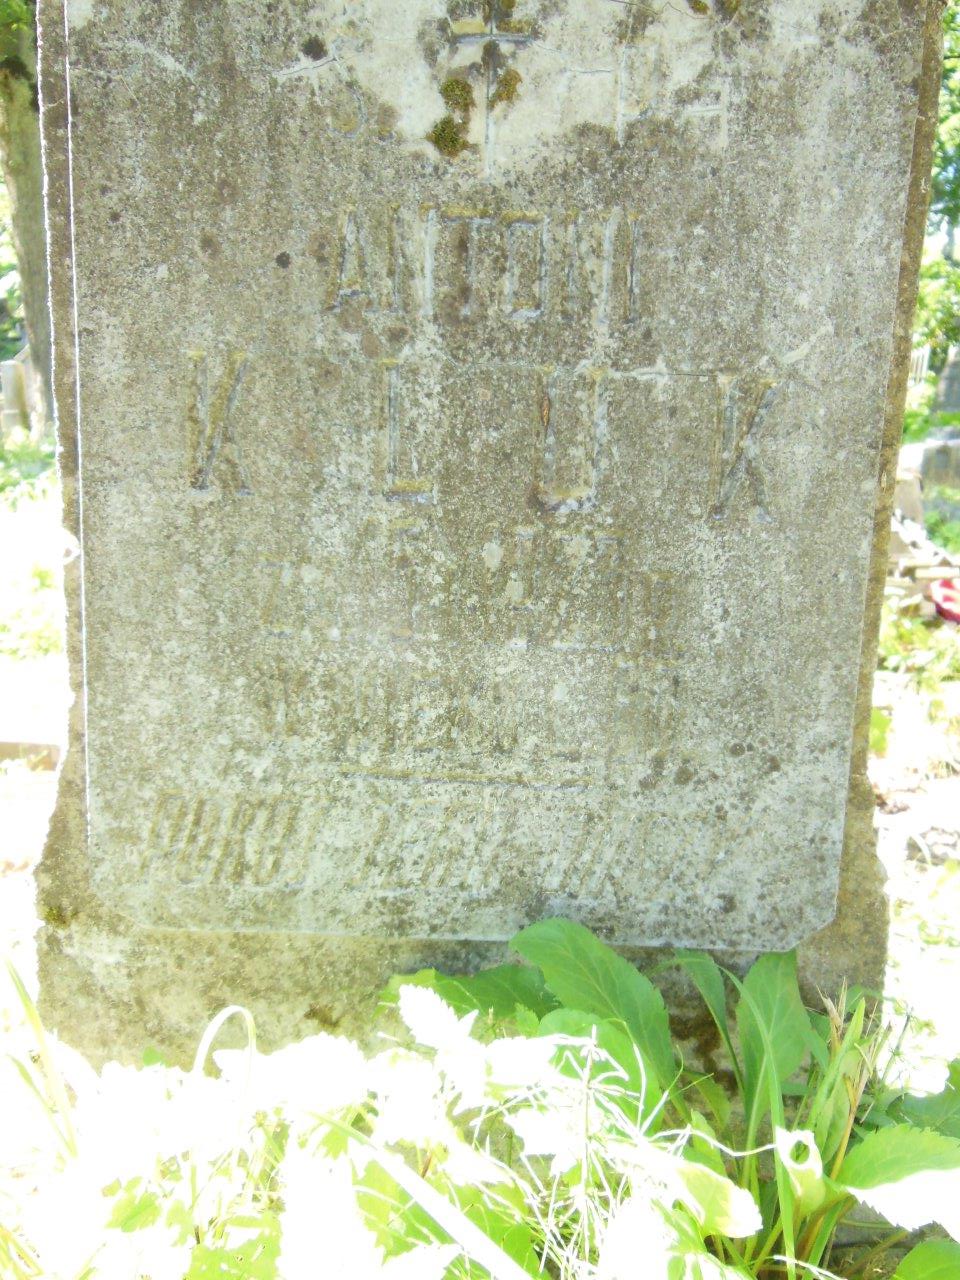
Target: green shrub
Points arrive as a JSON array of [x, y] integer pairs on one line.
[[532, 1120], [926, 650], [941, 521]]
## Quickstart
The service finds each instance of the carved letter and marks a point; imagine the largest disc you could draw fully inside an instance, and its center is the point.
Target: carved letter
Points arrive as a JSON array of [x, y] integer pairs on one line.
[[471, 220], [572, 425], [211, 421], [740, 428], [351, 281], [402, 472], [526, 283]]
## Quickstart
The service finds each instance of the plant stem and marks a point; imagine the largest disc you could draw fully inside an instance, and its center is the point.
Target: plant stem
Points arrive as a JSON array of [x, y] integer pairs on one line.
[[861, 1261]]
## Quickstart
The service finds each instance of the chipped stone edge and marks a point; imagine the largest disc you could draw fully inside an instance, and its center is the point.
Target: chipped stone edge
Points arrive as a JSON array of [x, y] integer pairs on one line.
[[853, 947]]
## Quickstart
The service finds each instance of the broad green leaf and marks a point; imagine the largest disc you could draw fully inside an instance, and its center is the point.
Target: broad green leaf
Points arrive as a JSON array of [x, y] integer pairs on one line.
[[395, 1218], [719, 1206], [940, 1111], [770, 997], [910, 1176], [832, 1118], [716, 1097], [496, 992], [134, 1208], [639, 1077], [890, 1155], [706, 976], [256, 1260], [932, 1260], [819, 1040], [584, 973], [501, 1214]]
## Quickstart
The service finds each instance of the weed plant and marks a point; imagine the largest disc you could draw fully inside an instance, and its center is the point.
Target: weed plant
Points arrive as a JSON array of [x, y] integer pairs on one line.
[[536, 1119]]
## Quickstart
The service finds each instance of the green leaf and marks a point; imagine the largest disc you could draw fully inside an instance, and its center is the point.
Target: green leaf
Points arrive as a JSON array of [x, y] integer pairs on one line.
[[940, 1111], [770, 999], [797, 1151], [889, 1155], [719, 1206], [716, 1097], [702, 1147], [255, 1260], [584, 973], [501, 1214], [880, 722], [932, 1260], [500, 992], [135, 1209], [707, 977], [910, 1176], [640, 1076]]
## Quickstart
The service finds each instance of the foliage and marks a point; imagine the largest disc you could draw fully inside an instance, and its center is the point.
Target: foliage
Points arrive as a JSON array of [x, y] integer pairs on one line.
[[937, 319], [945, 197], [16, 15], [812, 1132], [880, 721], [927, 650], [35, 547], [11, 303], [943, 529], [24, 465], [535, 1120]]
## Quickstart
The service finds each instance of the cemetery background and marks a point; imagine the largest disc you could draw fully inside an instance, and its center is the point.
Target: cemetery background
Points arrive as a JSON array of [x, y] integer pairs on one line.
[[914, 769]]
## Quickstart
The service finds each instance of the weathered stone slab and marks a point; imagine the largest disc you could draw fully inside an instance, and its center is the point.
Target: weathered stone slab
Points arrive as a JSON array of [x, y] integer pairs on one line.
[[461, 404]]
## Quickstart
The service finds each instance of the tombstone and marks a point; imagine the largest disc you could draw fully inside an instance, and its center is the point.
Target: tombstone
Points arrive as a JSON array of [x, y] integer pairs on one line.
[[947, 399], [477, 500], [940, 472]]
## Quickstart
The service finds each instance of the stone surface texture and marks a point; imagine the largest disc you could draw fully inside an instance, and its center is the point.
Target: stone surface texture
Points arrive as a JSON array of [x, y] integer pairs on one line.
[[472, 417]]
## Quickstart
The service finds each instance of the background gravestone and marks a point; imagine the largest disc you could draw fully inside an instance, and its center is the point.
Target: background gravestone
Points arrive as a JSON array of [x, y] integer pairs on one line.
[[471, 418], [947, 399]]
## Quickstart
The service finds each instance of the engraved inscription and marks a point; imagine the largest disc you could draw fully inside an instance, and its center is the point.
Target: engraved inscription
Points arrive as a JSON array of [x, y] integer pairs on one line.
[[571, 432], [470, 221], [743, 410], [205, 840], [463, 261], [526, 276], [518, 592], [211, 420], [402, 468], [351, 275], [406, 533]]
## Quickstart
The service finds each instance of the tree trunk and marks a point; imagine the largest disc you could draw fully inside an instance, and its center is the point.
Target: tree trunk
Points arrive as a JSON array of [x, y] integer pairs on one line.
[[23, 172]]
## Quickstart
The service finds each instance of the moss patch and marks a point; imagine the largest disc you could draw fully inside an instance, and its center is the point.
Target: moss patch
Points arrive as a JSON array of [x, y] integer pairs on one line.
[[508, 86], [448, 137], [457, 93]]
